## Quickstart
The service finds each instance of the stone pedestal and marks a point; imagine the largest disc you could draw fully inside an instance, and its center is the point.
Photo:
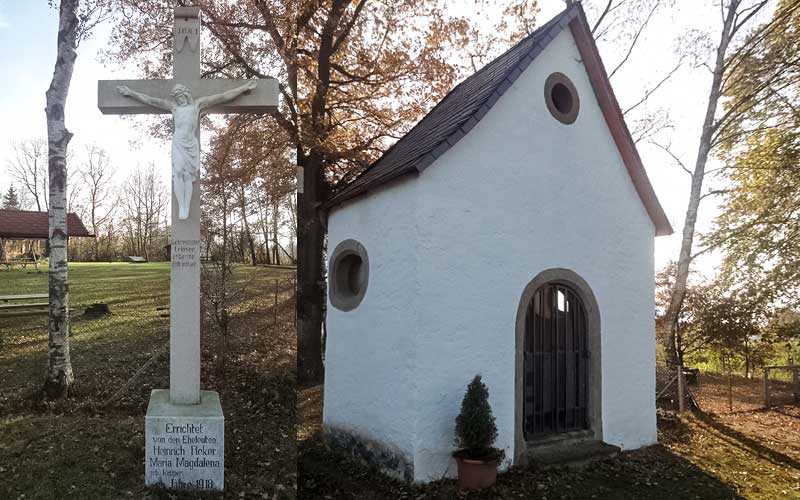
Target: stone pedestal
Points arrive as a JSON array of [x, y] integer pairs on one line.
[[185, 444]]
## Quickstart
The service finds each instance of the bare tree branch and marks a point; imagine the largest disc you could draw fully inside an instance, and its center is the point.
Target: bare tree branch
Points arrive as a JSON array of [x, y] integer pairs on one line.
[[650, 92], [635, 40], [602, 16], [667, 150]]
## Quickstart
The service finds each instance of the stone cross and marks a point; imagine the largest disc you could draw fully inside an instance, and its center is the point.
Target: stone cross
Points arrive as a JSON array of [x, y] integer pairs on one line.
[[186, 96]]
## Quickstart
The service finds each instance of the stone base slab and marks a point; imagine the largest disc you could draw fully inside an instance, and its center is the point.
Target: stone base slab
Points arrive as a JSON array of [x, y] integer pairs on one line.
[[185, 444]]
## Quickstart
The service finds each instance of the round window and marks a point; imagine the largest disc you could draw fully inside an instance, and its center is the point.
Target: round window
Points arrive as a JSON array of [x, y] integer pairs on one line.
[[349, 275], [561, 98]]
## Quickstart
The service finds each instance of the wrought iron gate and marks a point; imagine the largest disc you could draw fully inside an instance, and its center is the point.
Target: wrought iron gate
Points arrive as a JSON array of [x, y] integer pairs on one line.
[[556, 361]]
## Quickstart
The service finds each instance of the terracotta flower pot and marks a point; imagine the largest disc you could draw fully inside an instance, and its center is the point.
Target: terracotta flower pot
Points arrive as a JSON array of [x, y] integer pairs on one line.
[[476, 474]]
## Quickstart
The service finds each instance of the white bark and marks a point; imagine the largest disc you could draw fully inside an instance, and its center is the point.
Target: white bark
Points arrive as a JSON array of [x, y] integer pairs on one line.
[[59, 376], [731, 24]]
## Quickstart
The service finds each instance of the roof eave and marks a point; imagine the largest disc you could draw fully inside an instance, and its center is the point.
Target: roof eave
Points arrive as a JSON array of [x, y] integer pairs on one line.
[[563, 19], [575, 18], [616, 123]]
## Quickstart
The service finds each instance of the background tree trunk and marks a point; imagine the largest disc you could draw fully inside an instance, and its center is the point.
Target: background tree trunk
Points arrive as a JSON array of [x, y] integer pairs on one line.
[[250, 244], [276, 245], [685, 258], [310, 277], [59, 376]]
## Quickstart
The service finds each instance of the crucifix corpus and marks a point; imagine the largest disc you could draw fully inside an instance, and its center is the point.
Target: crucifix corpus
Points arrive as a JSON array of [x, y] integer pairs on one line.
[[184, 432]]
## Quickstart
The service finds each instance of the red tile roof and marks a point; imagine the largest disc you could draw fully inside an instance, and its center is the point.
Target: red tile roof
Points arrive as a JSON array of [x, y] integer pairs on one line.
[[22, 224]]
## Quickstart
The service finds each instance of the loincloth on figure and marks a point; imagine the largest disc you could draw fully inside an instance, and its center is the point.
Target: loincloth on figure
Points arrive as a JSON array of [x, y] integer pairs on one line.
[[185, 157]]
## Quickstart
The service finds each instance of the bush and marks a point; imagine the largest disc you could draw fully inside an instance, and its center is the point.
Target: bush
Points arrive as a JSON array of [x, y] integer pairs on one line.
[[475, 426]]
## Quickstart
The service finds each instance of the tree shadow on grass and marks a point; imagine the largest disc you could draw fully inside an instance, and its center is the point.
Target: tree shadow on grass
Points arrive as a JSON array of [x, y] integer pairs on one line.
[[746, 443], [652, 473], [105, 354], [80, 445]]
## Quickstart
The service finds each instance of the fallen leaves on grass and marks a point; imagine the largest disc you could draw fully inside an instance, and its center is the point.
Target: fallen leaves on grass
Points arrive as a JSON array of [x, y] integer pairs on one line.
[[80, 449], [652, 473]]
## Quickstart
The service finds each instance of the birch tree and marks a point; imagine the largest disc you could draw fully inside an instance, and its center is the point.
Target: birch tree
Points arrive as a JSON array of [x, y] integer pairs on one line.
[[758, 226], [75, 22], [59, 376], [720, 124]]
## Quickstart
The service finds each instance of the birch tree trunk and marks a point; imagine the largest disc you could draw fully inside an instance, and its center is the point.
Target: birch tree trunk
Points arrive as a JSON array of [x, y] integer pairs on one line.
[[731, 24], [59, 376]]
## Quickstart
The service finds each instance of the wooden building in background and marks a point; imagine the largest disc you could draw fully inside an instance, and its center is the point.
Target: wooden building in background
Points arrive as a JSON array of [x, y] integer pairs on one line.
[[25, 233]]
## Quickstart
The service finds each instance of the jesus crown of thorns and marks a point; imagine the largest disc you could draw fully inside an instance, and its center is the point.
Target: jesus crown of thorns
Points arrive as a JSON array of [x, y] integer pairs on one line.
[[180, 90]]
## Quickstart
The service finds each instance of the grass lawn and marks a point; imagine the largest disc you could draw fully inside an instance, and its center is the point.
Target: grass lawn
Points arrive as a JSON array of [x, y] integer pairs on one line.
[[749, 453], [91, 446]]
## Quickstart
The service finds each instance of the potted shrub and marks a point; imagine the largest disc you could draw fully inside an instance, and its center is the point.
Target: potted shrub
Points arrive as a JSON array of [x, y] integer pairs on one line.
[[475, 434]]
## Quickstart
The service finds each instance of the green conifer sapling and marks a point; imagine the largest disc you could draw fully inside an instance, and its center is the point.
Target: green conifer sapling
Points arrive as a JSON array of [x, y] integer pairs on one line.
[[475, 426]]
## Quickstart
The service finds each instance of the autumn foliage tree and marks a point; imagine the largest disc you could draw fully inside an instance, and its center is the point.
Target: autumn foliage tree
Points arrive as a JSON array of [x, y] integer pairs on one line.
[[760, 219], [718, 321], [353, 75], [725, 122]]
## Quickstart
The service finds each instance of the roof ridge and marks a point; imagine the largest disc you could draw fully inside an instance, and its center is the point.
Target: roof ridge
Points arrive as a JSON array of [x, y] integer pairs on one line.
[[468, 102], [537, 32]]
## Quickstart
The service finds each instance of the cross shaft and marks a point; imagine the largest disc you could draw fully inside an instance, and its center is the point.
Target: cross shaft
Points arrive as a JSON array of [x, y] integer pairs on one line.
[[164, 96]]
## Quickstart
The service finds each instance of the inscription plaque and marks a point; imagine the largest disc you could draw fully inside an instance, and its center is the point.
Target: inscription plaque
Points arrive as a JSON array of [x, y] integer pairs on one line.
[[185, 446], [185, 254]]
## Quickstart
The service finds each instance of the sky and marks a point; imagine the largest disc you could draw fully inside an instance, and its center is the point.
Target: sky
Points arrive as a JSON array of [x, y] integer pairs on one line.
[[27, 57]]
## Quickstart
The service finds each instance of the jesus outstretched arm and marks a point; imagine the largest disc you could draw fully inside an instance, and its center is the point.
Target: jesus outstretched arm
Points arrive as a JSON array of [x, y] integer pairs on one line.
[[213, 100], [145, 99]]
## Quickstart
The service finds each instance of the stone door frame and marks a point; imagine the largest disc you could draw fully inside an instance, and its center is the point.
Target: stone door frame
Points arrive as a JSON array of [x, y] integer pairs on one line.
[[584, 291]]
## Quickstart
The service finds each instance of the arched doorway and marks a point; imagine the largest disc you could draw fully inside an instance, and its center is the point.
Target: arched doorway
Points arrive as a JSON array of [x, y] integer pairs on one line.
[[555, 363], [557, 372]]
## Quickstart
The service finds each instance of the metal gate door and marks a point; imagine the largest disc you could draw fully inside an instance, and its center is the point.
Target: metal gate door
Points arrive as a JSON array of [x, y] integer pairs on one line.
[[556, 363]]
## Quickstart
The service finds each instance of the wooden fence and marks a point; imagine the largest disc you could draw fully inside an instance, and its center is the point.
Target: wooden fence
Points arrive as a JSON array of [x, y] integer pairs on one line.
[[781, 385]]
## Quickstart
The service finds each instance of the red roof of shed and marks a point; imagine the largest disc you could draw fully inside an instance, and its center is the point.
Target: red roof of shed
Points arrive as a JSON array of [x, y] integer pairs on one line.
[[22, 224]]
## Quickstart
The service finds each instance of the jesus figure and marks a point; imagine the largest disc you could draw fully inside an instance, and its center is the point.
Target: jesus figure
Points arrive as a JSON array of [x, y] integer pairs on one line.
[[185, 148]]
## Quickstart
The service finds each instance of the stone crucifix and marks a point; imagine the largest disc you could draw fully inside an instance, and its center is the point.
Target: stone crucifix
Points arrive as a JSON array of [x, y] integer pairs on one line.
[[185, 146], [186, 96]]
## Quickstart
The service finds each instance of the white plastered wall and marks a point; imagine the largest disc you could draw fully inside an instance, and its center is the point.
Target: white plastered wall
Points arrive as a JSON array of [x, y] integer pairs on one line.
[[451, 253], [369, 358]]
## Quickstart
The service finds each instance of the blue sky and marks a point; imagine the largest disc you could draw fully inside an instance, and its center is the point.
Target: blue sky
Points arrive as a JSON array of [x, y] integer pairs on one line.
[[27, 52], [24, 56]]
